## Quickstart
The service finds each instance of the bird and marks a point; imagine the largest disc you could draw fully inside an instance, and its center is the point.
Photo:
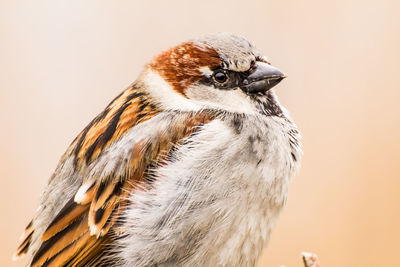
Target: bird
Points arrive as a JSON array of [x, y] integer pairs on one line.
[[189, 166]]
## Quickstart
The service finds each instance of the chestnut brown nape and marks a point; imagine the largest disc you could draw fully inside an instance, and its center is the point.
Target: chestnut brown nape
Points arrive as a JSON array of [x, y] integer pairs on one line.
[[181, 65]]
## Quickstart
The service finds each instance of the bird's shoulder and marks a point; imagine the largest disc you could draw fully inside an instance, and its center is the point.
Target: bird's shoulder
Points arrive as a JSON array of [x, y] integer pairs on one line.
[[85, 197]]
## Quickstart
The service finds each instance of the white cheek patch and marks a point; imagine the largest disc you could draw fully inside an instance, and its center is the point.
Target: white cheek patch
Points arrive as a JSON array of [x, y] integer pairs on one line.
[[165, 95], [232, 100]]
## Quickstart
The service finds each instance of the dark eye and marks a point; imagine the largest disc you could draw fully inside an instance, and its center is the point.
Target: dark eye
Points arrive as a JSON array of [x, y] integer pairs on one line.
[[220, 77]]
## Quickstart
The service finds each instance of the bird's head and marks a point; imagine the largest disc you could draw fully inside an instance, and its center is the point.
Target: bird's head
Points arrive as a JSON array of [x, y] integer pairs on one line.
[[219, 71]]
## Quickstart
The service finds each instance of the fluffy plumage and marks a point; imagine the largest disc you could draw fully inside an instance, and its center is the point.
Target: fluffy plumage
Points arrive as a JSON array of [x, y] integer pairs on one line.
[[188, 166]]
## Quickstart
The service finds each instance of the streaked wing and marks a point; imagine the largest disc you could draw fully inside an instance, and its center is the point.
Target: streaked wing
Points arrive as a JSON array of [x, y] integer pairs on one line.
[[108, 160]]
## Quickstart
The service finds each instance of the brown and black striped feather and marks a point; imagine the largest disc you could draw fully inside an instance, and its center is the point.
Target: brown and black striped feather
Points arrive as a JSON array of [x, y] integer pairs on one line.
[[26, 241], [128, 109], [79, 233]]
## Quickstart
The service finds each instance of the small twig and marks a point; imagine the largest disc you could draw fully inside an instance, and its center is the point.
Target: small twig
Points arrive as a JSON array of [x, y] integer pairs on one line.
[[310, 259]]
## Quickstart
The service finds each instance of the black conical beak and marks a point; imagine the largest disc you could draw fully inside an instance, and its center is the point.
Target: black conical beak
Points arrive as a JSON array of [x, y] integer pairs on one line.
[[262, 78]]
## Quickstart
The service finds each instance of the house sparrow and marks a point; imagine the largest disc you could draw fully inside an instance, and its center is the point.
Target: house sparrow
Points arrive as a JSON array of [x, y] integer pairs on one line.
[[189, 166]]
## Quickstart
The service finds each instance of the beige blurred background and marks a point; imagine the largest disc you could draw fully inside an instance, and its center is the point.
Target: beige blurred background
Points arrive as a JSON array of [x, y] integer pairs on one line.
[[61, 62]]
